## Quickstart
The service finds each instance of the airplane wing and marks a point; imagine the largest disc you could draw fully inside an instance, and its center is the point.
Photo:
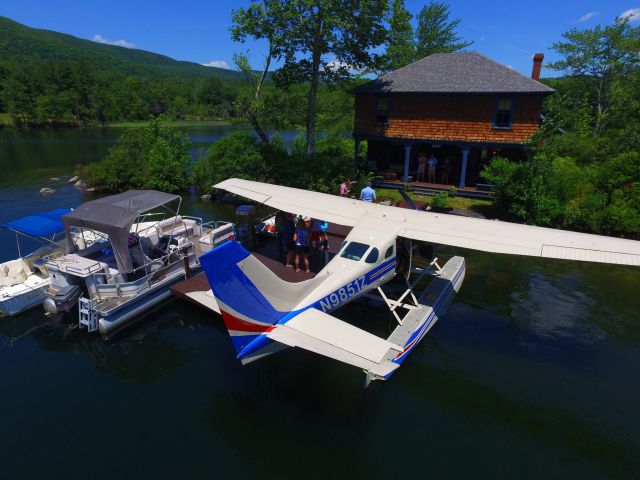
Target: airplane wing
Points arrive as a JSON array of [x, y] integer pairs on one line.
[[512, 238], [473, 233], [321, 333], [331, 208]]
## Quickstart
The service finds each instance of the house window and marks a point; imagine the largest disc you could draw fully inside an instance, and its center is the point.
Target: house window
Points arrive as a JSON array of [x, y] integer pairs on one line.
[[382, 110], [504, 113]]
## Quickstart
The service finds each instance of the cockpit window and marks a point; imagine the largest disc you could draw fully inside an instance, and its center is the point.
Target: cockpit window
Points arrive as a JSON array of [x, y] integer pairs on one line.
[[354, 251], [373, 256], [344, 242], [389, 252]]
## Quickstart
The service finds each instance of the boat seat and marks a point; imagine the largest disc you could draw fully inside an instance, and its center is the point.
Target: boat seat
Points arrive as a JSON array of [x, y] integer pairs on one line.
[[14, 272]]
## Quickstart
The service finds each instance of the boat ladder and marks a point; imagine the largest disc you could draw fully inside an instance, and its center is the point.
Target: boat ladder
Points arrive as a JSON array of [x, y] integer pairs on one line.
[[87, 315]]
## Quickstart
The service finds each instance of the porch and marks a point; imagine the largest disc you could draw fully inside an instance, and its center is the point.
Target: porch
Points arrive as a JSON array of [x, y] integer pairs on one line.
[[459, 164], [482, 191]]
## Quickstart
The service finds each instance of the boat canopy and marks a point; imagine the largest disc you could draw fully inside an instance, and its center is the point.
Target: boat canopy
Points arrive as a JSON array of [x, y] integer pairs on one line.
[[43, 224], [114, 215]]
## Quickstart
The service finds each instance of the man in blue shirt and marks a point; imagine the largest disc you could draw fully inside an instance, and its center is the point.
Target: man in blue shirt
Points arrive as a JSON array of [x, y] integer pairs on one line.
[[368, 194]]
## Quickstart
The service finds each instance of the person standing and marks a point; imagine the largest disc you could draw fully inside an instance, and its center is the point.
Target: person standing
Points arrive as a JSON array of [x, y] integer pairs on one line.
[[288, 245], [446, 170], [368, 194], [433, 165], [301, 239], [422, 166], [344, 188]]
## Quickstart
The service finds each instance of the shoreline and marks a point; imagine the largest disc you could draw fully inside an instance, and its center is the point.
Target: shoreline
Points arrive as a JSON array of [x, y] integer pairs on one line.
[[5, 123]]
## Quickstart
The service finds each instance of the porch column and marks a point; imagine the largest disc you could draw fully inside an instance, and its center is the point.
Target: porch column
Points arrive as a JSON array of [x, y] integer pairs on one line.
[[463, 169], [407, 158], [356, 151]]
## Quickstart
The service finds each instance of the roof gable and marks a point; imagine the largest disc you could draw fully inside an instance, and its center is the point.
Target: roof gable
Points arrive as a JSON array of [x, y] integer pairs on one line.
[[467, 72]]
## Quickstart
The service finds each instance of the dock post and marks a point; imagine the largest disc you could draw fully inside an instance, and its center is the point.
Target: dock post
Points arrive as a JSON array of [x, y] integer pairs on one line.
[[187, 267], [463, 169], [407, 159]]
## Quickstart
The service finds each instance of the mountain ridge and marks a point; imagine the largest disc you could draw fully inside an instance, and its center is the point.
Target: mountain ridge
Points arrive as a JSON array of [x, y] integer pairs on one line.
[[19, 41]]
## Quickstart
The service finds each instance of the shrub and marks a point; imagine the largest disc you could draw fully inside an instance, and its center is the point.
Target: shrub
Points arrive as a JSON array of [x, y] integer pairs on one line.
[[152, 157], [440, 201], [453, 192], [237, 155]]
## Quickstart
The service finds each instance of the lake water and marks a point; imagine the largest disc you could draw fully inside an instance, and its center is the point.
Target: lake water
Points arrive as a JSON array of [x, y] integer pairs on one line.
[[533, 373]]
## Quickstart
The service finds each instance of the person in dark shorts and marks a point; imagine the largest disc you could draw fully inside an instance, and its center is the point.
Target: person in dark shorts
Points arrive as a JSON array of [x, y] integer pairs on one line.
[[286, 239], [301, 239]]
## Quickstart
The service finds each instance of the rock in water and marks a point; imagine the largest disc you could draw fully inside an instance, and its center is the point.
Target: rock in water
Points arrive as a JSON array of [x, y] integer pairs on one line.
[[54, 179], [47, 191], [80, 184], [73, 179], [206, 196]]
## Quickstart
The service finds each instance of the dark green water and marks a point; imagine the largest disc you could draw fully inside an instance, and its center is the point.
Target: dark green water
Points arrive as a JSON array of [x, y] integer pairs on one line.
[[533, 373]]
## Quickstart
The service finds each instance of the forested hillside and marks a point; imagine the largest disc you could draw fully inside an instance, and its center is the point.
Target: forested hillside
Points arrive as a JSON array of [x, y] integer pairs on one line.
[[52, 78], [19, 43]]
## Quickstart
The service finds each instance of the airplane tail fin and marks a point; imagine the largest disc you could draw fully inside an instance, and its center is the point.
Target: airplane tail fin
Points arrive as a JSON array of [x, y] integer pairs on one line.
[[246, 312]]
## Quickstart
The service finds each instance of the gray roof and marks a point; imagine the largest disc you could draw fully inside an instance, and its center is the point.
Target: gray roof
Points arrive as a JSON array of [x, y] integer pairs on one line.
[[114, 216], [116, 211], [454, 73]]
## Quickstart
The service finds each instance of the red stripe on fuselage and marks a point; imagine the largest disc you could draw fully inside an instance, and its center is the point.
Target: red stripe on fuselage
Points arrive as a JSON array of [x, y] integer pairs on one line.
[[234, 323]]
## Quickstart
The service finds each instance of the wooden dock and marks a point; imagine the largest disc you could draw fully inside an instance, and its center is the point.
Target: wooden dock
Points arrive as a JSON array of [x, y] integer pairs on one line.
[[197, 290]]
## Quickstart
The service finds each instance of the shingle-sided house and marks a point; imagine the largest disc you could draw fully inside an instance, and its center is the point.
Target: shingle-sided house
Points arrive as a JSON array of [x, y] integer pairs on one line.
[[460, 106]]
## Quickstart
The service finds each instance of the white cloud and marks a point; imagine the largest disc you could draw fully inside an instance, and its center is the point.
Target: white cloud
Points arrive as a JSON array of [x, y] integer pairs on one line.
[[633, 14], [510, 66], [118, 43], [218, 64], [586, 17]]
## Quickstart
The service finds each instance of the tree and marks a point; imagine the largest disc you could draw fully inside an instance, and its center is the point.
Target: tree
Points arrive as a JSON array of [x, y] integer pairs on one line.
[[322, 40], [237, 155], [436, 33], [597, 58], [256, 22], [151, 157], [400, 44]]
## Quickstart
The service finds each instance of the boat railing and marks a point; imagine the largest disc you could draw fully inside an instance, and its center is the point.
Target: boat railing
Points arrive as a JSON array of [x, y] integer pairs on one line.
[[109, 284]]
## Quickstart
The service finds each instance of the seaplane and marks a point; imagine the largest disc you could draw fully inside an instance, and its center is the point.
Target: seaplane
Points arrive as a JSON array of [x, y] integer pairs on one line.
[[264, 314]]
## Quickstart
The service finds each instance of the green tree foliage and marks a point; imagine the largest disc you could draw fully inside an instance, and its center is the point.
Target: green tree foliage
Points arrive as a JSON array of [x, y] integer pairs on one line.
[[322, 41], [237, 155], [152, 157], [436, 33], [400, 43], [597, 59], [242, 155], [256, 21], [585, 168]]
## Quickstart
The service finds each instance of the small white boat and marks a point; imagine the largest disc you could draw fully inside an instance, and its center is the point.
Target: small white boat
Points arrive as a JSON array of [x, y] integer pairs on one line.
[[24, 280]]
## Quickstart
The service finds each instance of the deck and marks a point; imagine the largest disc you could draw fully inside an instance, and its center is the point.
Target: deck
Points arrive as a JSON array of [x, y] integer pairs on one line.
[[197, 290]]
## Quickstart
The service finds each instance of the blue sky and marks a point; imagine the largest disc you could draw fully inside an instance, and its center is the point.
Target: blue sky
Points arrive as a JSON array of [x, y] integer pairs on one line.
[[198, 31]]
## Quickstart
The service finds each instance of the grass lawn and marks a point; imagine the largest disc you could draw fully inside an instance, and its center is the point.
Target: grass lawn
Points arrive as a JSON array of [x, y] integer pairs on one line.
[[475, 204]]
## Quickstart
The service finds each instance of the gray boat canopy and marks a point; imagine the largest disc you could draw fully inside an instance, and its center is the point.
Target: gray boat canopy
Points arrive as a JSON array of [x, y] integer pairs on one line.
[[114, 216]]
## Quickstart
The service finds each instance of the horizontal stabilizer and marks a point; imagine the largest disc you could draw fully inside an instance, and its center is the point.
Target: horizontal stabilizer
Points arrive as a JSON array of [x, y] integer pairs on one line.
[[321, 333]]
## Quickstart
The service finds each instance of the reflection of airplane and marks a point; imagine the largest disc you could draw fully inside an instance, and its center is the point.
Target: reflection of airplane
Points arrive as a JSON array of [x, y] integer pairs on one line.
[[265, 314]]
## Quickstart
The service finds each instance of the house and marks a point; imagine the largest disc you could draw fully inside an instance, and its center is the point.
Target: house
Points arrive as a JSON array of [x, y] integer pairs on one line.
[[460, 106]]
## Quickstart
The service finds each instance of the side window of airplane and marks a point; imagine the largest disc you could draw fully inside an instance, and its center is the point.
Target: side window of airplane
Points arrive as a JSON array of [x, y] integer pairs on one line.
[[355, 251], [389, 252], [373, 256]]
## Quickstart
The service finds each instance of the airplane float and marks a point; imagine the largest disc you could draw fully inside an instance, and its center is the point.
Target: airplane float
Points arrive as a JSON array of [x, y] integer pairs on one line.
[[265, 314]]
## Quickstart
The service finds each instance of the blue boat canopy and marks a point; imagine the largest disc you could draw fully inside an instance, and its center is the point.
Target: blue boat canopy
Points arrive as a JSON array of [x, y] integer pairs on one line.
[[42, 224]]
